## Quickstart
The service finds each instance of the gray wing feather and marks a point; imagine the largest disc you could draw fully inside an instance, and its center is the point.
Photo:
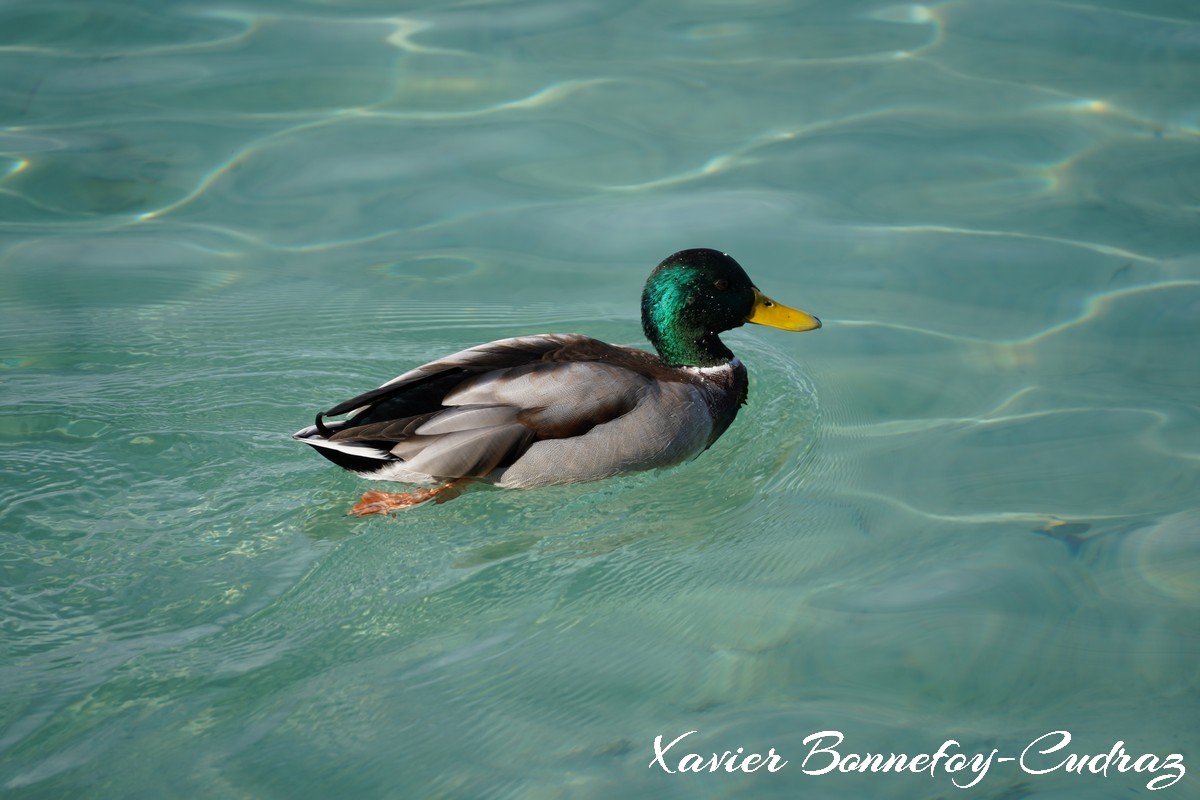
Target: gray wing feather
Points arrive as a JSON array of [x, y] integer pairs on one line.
[[520, 421], [468, 418], [467, 452], [670, 424], [495, 417]]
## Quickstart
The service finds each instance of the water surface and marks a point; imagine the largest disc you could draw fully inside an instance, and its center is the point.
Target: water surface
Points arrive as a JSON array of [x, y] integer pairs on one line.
[[965, 509]]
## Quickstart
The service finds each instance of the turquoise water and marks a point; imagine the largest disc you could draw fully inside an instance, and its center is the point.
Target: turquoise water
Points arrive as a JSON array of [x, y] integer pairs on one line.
[[965, 509]]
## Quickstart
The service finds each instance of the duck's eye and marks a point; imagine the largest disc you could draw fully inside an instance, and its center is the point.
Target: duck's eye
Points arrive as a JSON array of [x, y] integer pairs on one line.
[[721, 284]]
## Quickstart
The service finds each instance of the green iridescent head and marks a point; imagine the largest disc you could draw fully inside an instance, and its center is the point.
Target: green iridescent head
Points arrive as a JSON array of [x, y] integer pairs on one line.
[[694, 295]]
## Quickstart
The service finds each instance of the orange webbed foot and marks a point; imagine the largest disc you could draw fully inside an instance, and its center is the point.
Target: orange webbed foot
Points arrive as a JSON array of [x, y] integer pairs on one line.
[[375, 502]]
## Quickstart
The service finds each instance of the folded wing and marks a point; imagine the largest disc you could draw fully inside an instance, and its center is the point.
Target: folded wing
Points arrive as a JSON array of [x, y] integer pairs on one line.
[[481, 410]]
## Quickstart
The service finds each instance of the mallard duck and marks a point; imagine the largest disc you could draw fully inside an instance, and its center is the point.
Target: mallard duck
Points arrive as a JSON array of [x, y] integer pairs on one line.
[[561, 408]]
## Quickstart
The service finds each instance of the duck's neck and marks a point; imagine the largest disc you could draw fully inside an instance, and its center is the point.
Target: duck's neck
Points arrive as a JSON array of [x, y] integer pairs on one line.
[[679, 337]]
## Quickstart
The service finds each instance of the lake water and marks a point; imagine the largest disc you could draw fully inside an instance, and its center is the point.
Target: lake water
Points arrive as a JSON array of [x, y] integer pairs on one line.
[[966, 509]]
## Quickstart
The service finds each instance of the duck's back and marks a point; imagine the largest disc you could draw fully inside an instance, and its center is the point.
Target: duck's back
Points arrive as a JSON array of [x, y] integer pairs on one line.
[[531, 411]]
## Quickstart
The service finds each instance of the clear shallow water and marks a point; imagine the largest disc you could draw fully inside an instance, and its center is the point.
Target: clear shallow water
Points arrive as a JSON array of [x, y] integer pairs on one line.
[[965, 509]]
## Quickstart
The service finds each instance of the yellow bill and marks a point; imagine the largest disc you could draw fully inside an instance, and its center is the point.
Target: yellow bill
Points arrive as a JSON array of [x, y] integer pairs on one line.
[[767, 312]]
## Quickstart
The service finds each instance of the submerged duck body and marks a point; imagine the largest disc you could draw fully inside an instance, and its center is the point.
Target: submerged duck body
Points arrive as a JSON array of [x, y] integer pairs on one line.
[[550, 409]]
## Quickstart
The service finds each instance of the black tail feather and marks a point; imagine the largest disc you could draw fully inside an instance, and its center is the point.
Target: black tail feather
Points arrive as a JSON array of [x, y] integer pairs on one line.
[[350, 461], [322, 428]]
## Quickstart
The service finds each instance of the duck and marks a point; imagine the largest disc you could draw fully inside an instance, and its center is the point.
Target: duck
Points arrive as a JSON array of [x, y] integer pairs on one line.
[[560, 408]]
